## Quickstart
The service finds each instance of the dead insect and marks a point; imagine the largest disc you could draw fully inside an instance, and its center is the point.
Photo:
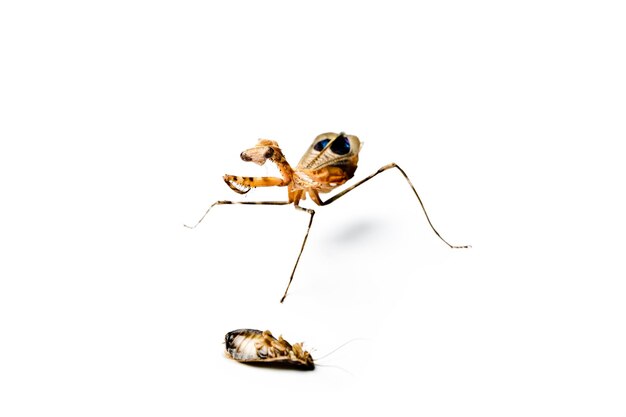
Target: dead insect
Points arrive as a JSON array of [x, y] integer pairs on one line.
[[255, 346], [328, 163]]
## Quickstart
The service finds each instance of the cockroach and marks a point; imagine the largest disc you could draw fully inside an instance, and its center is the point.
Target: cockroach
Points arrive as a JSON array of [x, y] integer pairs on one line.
[[260, 347], [330, 161]]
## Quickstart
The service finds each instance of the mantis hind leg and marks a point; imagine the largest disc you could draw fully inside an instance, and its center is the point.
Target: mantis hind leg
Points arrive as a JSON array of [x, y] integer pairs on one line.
[[306, 235], [268, 203], [383, 169]]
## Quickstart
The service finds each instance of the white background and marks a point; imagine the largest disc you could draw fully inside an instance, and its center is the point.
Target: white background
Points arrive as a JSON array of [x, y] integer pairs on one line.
[[119, 118]]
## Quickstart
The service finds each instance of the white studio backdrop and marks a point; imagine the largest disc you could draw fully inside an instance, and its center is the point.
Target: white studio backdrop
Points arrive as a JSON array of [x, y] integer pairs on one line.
[[119, 119]]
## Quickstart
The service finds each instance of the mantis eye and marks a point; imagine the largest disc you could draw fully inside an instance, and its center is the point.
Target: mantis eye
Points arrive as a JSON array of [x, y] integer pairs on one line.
[[341, 145], [319, 146]]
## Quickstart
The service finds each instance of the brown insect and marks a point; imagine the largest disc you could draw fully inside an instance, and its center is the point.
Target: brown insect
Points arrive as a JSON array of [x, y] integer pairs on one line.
[[255, 346], [328, 163]]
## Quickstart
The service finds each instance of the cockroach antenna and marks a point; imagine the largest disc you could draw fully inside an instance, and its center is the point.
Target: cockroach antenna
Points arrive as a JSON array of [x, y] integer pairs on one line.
[[340, 347]]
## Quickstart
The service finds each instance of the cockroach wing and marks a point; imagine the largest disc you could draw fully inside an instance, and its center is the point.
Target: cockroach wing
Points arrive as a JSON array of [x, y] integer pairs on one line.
[[331, 160]]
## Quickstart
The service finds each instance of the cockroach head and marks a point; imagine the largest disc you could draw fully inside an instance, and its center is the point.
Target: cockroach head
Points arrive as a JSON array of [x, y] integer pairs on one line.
[[263, 151]]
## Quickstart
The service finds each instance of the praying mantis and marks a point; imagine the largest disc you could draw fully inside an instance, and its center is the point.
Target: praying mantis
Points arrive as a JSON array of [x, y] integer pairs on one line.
[[330, 162]]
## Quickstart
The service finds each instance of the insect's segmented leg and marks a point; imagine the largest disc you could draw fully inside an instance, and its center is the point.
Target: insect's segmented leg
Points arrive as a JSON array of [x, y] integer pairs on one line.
[[385, 168], [311, 213], [268, 203], [242, 185], [217, 203], [256, 181]]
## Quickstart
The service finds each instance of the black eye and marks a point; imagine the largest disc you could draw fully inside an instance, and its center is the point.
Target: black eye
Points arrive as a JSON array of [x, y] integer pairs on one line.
[[341, 145], [321, 145]]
